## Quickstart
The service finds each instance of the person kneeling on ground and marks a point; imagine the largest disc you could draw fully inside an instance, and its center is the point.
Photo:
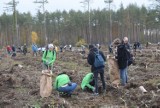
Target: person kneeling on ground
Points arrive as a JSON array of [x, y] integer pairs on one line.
[[64, 85], [88, 83]]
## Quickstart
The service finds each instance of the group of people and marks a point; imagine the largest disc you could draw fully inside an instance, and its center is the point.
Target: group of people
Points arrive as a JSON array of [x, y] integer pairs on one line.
[[90, 81], [12, 50], [63, 83], [95, 58], [97, 61], [66, 47]]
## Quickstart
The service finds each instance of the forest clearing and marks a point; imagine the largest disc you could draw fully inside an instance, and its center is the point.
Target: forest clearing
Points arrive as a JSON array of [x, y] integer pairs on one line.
[[19, 85], [80, 54]]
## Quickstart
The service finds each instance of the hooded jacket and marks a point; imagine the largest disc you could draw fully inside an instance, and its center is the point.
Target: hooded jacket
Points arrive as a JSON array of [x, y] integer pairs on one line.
[[122, 56]]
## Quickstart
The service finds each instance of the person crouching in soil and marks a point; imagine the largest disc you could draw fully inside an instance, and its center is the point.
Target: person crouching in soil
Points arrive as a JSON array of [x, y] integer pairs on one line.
[[88, 83], [64, 85]]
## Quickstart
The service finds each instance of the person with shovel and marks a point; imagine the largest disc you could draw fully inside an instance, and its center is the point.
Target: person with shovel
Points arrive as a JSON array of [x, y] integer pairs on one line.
[[49, 57]]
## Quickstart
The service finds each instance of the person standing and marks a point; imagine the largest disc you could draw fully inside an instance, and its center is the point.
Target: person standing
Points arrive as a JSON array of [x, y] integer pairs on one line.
[[9, 49], [34, 49], [61, 48], [126, 43], [24, 49], [13, 48], [70, 47], [122, 59], [135, 45], [97, 68], [13, 51], [49, 57]]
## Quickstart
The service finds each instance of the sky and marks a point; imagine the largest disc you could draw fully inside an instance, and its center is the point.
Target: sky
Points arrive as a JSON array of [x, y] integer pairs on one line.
[[53, 5]]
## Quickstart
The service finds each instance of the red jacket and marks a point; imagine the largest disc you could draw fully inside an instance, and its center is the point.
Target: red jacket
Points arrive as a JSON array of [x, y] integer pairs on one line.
[[9, 48]]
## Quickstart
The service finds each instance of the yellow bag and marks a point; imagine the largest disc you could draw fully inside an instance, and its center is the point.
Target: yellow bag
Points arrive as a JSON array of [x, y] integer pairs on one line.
[[45, 84]]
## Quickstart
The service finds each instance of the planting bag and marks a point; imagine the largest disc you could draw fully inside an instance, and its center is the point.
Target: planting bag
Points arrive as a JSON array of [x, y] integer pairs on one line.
[[45, 84]]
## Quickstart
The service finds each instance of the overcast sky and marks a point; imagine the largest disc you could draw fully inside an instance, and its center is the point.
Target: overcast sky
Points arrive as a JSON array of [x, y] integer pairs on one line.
[[53, 5]]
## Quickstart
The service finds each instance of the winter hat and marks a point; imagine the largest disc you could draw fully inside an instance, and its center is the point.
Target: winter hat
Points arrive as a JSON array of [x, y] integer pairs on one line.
[[50, 46]]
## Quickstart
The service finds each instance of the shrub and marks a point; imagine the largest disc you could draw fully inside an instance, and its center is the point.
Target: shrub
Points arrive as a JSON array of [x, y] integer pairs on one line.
[[55, 42], [81, 42]]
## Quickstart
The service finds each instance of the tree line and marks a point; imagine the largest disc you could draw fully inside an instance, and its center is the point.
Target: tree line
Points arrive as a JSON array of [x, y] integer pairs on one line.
[[138, 23]]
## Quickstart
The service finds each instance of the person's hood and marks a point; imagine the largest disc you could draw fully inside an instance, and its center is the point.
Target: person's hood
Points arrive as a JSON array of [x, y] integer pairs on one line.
[[121, 46], [94, 50]]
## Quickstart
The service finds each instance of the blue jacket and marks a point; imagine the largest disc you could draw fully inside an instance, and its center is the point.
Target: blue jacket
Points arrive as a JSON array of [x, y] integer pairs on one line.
[[34, 47]]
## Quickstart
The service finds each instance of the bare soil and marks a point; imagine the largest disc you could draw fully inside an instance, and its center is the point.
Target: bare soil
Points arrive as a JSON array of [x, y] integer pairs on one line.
[[19, 86]]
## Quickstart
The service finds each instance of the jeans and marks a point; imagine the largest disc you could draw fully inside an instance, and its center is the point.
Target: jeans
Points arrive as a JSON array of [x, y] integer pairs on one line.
[[123, 76], [68, 89], [101, 72]]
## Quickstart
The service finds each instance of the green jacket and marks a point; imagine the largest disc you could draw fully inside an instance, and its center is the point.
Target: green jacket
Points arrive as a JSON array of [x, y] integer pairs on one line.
[[86, 80], [61, 80], [50, 58]]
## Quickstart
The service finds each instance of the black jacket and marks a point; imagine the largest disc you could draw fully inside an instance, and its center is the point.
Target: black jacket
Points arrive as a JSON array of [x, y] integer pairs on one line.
[[122, 56], [91, 58]]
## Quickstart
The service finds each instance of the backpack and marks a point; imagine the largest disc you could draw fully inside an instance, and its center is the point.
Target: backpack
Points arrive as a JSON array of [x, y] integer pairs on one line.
[[47, 53], [130, 59], [99, 61]]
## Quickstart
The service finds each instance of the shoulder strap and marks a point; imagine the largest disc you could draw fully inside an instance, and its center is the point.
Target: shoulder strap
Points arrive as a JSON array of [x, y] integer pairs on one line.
[[46, 53], [53, 52], [96, 52]]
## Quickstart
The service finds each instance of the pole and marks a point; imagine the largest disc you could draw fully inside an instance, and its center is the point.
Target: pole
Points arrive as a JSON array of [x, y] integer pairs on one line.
[[110, 20], [45, 35], [14, 23], [43, 2], [89, 37], [110, 24], [90, 33]]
